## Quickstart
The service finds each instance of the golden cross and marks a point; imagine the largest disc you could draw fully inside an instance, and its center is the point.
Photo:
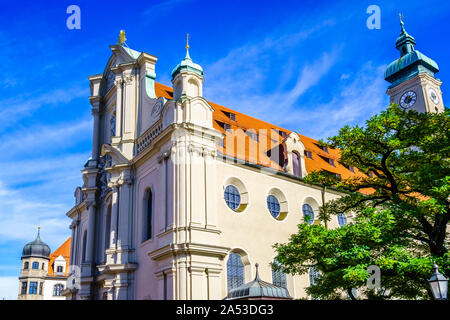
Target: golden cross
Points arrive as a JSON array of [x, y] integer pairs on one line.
[[187, 41]]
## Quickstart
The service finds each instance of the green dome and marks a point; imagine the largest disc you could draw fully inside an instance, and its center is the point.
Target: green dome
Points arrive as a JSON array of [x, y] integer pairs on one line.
[[188, 65], [408, 66], [411, 61]]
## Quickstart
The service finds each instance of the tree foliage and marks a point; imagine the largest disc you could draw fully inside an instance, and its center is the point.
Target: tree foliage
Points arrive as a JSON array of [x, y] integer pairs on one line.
[[400, 203]]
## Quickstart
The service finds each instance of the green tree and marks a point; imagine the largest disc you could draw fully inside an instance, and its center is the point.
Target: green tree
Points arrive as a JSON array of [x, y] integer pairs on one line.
[[400, 205]]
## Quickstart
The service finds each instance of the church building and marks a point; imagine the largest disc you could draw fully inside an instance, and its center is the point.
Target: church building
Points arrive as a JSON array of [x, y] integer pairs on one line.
[[182, 197]]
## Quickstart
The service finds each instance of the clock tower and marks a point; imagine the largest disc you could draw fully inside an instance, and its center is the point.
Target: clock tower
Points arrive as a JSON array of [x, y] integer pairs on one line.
[[412, 78]]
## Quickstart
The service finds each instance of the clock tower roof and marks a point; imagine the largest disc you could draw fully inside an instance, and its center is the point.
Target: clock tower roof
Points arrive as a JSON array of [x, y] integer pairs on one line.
[[411, 61]]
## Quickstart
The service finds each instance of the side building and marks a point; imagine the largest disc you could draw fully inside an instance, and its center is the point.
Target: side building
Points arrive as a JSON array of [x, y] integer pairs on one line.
[[43, 274]]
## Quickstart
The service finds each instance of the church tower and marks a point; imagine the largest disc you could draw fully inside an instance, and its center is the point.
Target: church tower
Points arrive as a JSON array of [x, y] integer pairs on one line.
[[412, 78], [35, 259]]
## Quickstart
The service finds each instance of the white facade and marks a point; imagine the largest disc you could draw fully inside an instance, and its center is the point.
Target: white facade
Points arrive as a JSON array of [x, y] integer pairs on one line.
[[149, 147]]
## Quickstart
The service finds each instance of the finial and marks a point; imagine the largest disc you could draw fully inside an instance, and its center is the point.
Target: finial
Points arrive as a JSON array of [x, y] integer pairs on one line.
[[257, 274], [401, 16], [187, 41], [122, 38], [187, 47], [39, 231]]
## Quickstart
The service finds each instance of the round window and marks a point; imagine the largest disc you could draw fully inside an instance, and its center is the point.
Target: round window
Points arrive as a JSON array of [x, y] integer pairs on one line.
[[308, 213], [232, 197], [273, 205]]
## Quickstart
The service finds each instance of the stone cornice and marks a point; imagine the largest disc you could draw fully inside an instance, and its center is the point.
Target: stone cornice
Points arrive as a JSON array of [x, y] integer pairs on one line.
[[76, 209], [117, 268], [188, 248]]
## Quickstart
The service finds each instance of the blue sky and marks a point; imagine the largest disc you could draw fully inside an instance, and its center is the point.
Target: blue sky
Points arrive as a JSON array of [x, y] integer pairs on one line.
[[308, 66]]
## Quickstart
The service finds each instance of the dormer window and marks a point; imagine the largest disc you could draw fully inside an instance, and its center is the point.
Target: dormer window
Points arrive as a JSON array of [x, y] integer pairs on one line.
[[230, 115], [283, 134], [324, 148], [329, 160], [350, 168], [59, 269], [224, 126], [308, 154]]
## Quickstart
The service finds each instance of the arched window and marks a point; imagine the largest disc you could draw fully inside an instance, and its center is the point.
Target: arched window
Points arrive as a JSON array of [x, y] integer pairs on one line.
[[148, 215], [108, 227], [278, 276], [59, 269], [232, 197], [43, 266], [296, 164], [308, 213], [273, 205], [57, 289], [342, 219], [314, 274], [235, 271], [35, 265], [84, 246], [26, 264]]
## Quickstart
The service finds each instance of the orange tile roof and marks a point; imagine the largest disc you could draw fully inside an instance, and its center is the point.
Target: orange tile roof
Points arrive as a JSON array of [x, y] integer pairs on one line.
[[63, 250], [269, 138]]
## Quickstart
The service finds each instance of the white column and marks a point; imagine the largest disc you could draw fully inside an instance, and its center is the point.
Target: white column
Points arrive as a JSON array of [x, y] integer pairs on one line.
[[114, 215], [125, 207], [91, 232], [95, 101]]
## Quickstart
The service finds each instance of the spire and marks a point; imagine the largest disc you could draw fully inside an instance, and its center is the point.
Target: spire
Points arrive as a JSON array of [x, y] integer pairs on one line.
[[405, 42], [400, 16], [187, 47], [187, 63], [39, 232]]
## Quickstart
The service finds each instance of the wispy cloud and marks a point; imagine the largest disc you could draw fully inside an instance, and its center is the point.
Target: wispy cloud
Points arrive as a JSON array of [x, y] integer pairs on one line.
[[357, 97], [14, 109], [41, 138]]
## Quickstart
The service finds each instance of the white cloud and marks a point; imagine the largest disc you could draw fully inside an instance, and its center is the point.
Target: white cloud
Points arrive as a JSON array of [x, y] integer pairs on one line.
[[14, 109], [9, 288], [356, 100], [41, 138]]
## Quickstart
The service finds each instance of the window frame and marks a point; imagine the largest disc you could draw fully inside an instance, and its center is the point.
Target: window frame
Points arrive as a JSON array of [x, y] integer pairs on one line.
[[277, 203], [235, 194], [237, 278], [307, 205], [33, 287], [35, 265], [58, 289]]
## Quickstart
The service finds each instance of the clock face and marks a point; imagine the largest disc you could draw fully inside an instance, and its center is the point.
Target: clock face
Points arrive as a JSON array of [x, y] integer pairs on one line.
[[433, 95], [408, 99]]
